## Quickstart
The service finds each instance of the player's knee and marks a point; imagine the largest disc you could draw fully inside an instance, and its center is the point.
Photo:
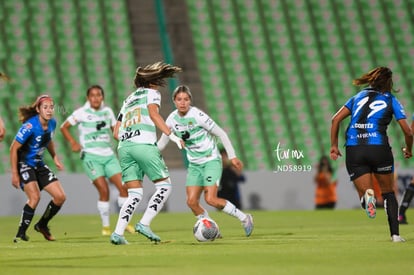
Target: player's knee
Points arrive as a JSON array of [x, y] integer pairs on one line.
[[59, 199], [33, 200]]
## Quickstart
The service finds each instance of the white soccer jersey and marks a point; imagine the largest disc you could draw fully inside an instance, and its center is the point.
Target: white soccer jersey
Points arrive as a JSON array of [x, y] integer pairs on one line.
[[94, 126], [194, 128], [136, 124]]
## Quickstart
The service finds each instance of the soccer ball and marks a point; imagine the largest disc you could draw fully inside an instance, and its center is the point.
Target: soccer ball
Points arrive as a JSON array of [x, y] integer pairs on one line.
[[205, 230]]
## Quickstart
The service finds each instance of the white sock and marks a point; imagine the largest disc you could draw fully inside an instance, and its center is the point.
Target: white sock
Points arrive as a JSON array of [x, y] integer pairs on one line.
[[203, 215], [128, 209], [231, 209], [103, 209], [121, 201], [157, 201]]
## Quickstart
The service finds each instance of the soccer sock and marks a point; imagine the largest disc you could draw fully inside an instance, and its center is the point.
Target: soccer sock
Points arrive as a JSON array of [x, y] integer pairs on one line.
[[25, 220], [203, 215], [50, 212], [128, 209], [121, 201], [391, 208], [157, 201], [363, 202], [406, 200], [232, 210], [103, 209]]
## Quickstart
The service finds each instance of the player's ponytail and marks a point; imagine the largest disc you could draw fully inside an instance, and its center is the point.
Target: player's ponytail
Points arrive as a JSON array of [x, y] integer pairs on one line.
[[379, 79]]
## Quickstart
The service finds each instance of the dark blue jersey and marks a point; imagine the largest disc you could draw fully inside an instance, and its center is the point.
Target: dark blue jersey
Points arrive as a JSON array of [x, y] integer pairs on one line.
[[34, 140], [371, 113]]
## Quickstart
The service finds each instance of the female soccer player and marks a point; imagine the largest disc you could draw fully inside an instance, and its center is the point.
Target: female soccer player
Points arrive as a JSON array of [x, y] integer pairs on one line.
[[95, 125], [138, 152], [198, 130], [29, 172], [367, 147]]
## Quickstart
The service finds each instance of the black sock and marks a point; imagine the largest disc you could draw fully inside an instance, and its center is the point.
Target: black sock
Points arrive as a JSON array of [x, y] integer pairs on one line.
[[391, 207], [362, 199], [50, 212], [408, 196], [25, 220]]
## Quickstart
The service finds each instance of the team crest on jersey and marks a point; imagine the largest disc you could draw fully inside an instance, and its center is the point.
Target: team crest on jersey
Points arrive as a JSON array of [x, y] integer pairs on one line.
[[190, 125], [25, 176]]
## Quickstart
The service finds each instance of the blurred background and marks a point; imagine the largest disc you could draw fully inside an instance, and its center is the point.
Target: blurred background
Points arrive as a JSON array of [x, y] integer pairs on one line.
[[270, 72]]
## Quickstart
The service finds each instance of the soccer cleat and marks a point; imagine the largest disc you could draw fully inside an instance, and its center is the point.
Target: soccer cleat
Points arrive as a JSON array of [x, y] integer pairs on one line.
[[106, 231], [45, 232], [118, 239], [402, 219], [20, 238], [370, 207], [248, 225], [397, 239], [147, 232], [130, 229]]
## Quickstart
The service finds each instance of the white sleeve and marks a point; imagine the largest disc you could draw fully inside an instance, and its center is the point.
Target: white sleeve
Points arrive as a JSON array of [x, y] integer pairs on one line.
[[74, 118], [154, 97], [112, 117], [164, 139], [204, 120], [162, 142], [217, 131]]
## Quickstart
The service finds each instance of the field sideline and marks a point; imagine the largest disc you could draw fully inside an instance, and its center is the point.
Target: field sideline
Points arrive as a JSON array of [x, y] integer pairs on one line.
[[283, 242]]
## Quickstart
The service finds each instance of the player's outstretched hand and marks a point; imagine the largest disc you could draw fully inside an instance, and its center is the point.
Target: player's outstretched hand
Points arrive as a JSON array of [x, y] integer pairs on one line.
[[177, 140]]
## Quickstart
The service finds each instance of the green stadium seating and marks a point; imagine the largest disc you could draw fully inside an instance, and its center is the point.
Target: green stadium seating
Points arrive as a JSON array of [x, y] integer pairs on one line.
[[61, 48], [272, 71], [303, 56]]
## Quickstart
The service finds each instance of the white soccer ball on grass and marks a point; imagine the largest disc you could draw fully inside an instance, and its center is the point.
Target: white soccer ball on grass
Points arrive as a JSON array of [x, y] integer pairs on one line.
[[205, 230]]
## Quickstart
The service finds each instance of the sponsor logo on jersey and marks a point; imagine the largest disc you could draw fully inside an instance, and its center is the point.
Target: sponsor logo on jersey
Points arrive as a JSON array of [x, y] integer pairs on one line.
[[129, 135], [363, 125], [367, 135]]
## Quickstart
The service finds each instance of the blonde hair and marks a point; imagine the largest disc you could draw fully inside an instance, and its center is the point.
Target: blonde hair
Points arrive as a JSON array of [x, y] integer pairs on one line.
[[182, 89], [154, 74]]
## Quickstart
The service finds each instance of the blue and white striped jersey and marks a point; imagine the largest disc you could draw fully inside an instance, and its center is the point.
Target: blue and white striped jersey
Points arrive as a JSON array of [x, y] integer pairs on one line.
[[371, 113], [34, 140]]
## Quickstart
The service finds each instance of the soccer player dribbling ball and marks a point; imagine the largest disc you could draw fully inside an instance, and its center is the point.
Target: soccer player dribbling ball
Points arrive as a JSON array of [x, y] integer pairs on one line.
[[198, 131]]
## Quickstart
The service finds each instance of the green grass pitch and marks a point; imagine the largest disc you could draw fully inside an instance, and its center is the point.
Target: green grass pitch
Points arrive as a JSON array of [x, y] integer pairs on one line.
[[283, 242]]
